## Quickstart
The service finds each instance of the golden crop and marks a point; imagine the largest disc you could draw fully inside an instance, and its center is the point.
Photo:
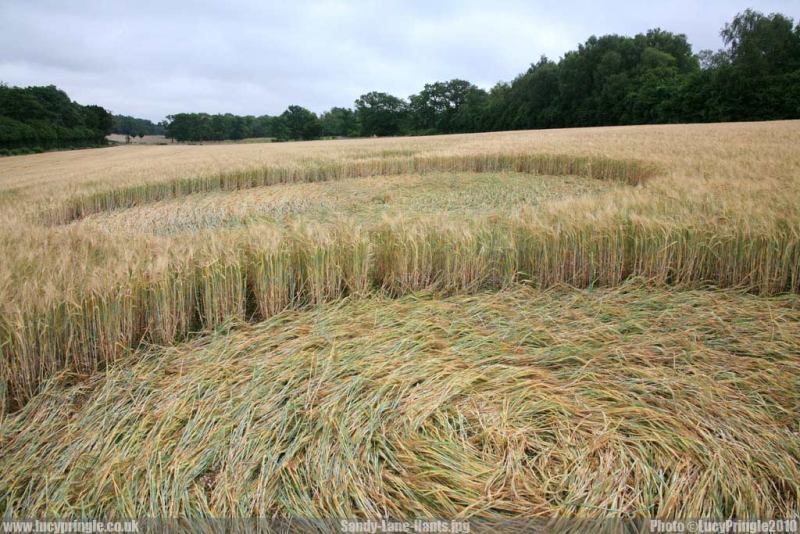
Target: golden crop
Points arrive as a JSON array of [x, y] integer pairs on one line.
[[108, 252]]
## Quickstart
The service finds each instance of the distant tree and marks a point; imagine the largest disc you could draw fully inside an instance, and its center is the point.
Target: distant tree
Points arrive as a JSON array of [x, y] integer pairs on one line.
[[124, 124], [44, 117], [759, 44], [380, 114], [339, 122], [241, 127], [279, 129], [436, 108], [494, 111], [98, 120], [262, 126], [301, 123], [529, 102], [762, 78]]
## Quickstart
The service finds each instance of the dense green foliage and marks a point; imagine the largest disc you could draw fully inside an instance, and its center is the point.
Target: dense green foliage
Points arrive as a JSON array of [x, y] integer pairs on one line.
[[339, 122], [126, 125], [204, 127], [446, 107], [381, 114], [33, 119], [653, 77]]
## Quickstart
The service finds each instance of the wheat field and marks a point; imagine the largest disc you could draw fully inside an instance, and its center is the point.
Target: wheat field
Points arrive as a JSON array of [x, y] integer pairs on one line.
[[598, 322]]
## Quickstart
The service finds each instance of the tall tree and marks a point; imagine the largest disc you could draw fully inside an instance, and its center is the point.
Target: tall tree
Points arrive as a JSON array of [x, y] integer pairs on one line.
[[41, 118], [127, 125], [436, 108], [339, 122], [301, 123], [761, 79], [380, 114]]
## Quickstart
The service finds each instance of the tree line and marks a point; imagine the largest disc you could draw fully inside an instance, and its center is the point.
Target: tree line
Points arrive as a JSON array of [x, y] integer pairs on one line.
[[127, 125], [34, 119], [652, 77]]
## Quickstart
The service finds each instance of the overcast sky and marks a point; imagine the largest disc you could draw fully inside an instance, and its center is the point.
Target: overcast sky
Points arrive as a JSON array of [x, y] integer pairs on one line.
[[152, 58]]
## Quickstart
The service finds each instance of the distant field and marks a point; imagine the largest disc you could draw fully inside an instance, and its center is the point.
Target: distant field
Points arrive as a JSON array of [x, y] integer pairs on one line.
[[135, 140], [592, 322]]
